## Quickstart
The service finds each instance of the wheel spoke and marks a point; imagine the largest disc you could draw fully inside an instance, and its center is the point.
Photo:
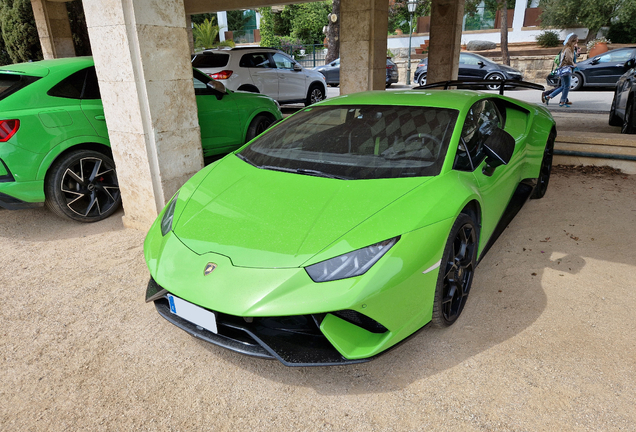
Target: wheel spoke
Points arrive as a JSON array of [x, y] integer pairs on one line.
[[96, 166], [74, 176]]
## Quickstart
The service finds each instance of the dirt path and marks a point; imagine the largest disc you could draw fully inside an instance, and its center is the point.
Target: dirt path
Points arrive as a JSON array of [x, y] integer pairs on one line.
[[546, 342]]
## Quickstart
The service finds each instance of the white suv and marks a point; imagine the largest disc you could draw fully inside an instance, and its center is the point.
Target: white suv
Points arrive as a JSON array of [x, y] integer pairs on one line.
[[263, 70]]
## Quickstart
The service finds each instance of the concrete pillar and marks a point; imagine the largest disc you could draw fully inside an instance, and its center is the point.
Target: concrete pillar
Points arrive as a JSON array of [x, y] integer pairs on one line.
[[221, 20], [446, 33], [142, 60], [54, 29], [363, 30], [519, 16], [190, 33]]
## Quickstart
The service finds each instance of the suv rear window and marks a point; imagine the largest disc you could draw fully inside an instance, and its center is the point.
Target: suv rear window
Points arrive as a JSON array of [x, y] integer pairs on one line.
[[11, 83], [209, 60]]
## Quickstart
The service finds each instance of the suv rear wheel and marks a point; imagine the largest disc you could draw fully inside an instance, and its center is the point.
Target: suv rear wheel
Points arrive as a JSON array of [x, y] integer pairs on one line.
[[316, 94]]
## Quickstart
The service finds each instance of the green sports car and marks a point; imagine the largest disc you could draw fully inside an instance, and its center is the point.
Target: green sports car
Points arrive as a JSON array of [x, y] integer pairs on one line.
[[348, 226], [54, 145]]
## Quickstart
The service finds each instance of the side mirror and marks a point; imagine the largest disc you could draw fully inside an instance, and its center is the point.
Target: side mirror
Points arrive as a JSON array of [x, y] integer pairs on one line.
[[218, 89], [332, 64], [595, 60], [499, 147], [481, 64], [297, 67], [630, 63]]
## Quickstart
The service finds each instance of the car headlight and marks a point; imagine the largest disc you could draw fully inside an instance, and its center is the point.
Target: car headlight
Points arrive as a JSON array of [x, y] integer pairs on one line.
[[351, 264], [166, 221]]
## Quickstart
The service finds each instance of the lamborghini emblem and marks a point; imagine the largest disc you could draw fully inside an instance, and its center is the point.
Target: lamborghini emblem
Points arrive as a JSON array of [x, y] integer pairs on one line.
[[209, 268]]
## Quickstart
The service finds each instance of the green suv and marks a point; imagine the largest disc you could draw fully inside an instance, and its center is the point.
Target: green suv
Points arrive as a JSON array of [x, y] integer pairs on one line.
[[54, 145]]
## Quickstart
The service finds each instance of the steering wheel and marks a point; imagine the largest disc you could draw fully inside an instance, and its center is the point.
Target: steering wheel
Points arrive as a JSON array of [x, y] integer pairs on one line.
[[416, 136]]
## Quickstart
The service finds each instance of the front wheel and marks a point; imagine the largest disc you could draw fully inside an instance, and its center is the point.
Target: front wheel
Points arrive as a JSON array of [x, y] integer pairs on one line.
[[495, 77], [315, 94], [576, 82], [545, 170], [629, 122], [83, 186], [422, 80], [456, 272], [258, 126]]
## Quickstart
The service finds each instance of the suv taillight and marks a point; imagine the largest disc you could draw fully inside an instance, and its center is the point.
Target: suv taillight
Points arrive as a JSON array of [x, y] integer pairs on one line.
[[8, 128], [224, 74]]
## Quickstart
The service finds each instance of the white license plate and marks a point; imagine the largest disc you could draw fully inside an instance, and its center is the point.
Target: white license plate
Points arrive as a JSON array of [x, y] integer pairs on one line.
[[193, 313]]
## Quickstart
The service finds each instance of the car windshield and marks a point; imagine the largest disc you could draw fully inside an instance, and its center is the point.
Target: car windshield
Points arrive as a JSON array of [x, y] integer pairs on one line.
[[357, 142], [11, 83]]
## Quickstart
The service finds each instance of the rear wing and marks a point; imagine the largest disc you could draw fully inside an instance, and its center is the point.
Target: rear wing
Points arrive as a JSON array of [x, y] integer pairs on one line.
[[501, 84]]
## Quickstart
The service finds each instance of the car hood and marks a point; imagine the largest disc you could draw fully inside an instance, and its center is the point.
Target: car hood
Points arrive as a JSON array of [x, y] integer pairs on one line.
[[268, 219]]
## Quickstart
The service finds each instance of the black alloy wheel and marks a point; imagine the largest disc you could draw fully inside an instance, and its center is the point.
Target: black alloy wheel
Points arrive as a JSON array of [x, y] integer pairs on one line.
[[82, 185], [315, 94], [546, 168], [629, 122], [258, 126], [456, 272], [495, 77]]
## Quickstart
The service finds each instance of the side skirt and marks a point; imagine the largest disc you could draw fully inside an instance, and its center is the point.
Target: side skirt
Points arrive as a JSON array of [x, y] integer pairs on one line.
[[519, 198]]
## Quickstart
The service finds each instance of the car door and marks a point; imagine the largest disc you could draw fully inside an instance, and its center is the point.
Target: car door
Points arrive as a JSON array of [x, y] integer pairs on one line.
[[92, 103], [291, 82], [263, 72], [219, 118], [471, 67], [607, 68], [332, 72], [496, 188]]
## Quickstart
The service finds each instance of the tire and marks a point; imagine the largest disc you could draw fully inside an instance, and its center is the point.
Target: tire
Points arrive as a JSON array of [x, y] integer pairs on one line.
[[259, 124], [495, 77], [388, 85], [422, 79], [456, 272], [629, 122], [315, 94], [614, 120], [248, 88], [82, 185], [576, 82], [546, 169]]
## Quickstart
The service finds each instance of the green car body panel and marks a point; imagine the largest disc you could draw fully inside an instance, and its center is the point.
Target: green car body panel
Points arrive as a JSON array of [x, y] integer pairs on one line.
[[263, 228], [50, 126]]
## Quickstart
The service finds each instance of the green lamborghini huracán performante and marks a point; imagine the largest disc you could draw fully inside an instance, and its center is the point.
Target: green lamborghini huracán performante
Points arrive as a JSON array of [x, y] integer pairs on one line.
[[54, 145], [348, 226]]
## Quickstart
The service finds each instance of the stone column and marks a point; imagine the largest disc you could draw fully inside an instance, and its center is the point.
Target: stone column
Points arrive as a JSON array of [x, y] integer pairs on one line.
[[142, 60], [54, 29], [363, 30], [446, 34], [190, 33]]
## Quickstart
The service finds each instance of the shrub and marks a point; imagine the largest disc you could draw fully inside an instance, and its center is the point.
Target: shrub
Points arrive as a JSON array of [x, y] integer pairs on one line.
[[548, 39], [622, 32]]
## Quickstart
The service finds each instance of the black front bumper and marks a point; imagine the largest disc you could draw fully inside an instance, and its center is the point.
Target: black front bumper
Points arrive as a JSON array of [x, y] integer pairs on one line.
[[293, 340]]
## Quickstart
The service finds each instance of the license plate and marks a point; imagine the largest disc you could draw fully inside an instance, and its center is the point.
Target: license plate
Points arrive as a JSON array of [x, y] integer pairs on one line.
[[193, 313]]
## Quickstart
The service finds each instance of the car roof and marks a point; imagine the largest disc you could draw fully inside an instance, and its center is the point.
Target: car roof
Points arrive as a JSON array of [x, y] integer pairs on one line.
[[42, 68], [452, 99]]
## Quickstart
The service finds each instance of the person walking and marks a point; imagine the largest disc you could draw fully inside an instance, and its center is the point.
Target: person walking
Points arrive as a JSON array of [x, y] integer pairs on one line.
[[567, 65]]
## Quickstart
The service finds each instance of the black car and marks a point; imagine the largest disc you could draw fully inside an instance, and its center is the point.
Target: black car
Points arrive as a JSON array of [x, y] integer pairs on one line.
[[623, 110], [602, 70], [331, 72], [473, 67]]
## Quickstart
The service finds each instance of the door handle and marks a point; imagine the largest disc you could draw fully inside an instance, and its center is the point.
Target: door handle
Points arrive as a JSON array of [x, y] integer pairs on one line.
[[100, 117]]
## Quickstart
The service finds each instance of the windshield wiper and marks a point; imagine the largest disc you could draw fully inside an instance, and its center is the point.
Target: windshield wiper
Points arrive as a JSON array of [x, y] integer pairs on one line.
[[303, 171]]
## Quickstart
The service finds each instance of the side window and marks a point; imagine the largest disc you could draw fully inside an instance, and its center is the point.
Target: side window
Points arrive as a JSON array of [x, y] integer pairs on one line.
[[70, 87], [91, 89], [255, 60], [482, 118], [283, 62], [200, 81]]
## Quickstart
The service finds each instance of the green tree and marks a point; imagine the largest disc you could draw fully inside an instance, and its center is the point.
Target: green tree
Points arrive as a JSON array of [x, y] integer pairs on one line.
[[237, 20], [592, 14], [300, 21], [399, 14], [205, 34], [79, 30], [19, 31]]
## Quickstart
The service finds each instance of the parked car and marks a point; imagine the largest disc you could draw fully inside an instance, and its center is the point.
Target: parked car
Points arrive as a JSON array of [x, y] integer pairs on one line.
[[263, 70], [54, 145], [473, 67], [331, 72], [347, 227], [623, 110], [602, 70]]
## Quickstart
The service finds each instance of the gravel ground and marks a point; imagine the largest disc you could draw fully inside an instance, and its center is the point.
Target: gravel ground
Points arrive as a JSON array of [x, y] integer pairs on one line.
[[546, 342]]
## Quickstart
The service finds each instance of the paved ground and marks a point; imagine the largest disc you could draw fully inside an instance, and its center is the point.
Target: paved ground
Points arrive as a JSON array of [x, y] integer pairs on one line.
[[546, 342]]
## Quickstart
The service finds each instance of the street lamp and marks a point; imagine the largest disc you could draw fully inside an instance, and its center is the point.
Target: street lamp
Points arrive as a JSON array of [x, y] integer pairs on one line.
[[411, 5]]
